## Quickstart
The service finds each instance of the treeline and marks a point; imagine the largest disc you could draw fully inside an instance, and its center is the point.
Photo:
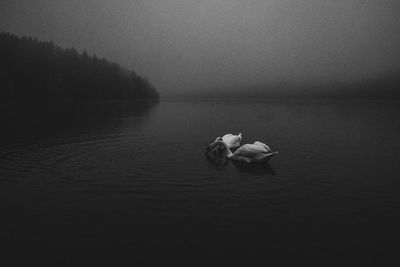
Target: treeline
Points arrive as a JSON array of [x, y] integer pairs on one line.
[[32, 69]]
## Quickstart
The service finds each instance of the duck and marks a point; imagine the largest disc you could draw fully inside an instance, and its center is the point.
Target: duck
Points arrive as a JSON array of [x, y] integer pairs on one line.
[[249, 153]]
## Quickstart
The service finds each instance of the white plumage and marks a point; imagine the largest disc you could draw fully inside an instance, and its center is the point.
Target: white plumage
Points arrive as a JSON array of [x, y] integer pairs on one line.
[[255, 152], [231, 140]]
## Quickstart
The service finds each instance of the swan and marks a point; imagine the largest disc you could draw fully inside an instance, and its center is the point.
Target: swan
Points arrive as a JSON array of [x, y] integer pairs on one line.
[[256, 152]]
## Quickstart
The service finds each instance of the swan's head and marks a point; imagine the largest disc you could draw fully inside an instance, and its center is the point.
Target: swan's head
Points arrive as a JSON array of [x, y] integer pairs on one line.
[[217, 152], [218, 139], [217, 147]]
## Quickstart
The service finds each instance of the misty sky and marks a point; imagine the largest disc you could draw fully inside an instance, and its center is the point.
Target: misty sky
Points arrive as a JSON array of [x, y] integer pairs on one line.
[[186, 46]]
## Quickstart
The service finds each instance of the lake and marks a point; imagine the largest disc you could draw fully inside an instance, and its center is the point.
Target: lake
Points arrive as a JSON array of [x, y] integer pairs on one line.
[[129, 183]]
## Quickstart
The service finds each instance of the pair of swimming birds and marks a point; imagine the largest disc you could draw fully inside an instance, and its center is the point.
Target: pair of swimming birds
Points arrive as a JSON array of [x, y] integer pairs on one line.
[[224, 147]]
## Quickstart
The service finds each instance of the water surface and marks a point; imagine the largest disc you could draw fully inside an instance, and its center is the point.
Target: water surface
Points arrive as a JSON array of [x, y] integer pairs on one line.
[[94, 184]]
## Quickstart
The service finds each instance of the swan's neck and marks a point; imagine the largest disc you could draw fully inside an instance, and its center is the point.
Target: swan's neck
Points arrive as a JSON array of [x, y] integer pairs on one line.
[[229, 153]]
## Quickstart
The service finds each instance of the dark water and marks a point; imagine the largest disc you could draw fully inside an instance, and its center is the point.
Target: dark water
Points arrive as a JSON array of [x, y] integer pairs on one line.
[[129, 184]]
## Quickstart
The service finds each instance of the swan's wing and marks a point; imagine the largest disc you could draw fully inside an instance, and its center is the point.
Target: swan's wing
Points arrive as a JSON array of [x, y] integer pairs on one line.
[[228, 138], [249, 150], [262, 145], [251, 153], [231, 140], [267, 156]]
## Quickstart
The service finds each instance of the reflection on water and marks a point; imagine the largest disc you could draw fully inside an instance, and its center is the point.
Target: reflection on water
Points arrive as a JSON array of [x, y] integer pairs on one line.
[[28, 121], [108, 183], [254, 168]]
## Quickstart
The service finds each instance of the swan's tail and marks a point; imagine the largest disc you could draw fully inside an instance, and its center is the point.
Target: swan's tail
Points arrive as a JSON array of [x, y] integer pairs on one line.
[[267, 156]]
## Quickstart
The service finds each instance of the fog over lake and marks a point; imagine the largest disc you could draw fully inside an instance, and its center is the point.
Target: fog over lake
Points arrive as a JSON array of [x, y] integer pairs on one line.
[[208, 47]]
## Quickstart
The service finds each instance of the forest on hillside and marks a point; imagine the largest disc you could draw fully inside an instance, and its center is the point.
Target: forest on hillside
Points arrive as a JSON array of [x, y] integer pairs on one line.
[[38, 70]]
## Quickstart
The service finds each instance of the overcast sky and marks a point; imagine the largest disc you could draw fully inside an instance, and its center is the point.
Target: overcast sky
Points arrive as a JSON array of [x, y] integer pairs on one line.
[[186, 46]]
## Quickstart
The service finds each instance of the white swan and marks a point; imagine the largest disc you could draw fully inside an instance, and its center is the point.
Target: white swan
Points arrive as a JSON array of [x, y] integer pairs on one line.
[[231, 140], [256, 152]]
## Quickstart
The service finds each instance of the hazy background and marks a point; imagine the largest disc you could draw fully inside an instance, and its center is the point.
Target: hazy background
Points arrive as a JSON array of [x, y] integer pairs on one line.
[[190, 47]]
